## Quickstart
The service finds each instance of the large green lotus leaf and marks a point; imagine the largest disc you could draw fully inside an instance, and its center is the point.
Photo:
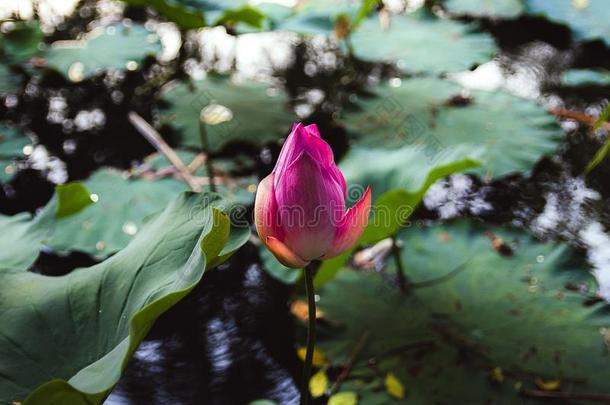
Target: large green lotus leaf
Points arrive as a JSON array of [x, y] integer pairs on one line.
[[486, 8], [113, 47], [12, 144], [65, 340], [118, 215], [486, 311], [422, 43], [257, 117], [587, 19], [514, 132], [22, 241], [398, 180]]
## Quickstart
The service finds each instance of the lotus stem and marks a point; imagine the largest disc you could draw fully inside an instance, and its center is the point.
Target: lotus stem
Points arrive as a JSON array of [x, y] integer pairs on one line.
[[311, 334], [403, 281]]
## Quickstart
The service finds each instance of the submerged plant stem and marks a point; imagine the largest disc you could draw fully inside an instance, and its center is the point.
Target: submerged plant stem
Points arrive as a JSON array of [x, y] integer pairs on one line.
[[311, 334], [203, 134], [403, 282]]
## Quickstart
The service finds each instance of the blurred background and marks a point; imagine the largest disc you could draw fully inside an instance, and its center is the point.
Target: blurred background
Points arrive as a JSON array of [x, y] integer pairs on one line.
[[490, 116]]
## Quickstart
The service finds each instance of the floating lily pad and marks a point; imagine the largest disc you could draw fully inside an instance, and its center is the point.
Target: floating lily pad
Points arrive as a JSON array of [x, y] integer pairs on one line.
[[20, 247], [514, 132], [20, 43], [398, 180], [12, 144], [308, 24], [317, 17], [8, 82], [254, 117], [276, 269], [586, 77], [422, 43], [236, 174], [588, 19], [117, 216], [486, 8], [67, 339], [489, 325], [189, 14], [114, 47]]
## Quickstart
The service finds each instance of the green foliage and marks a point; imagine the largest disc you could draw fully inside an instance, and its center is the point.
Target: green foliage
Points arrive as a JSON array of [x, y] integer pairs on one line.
[[400, 191], [22, 239], [246, 14], [586, 77], [605, 148], [189, 14], [599, 157], [238, 189], [308, 24], [112, 47], [449, 46], [113, 221], [12, 143], [72, 198], [603, 118], [397, 191], [9, 82], [485, 312], [257, 117], [67, 339], [315, 17], [21, 43], [486, 8], [184, 16], [514, 133], [276, 269], [589, 21]]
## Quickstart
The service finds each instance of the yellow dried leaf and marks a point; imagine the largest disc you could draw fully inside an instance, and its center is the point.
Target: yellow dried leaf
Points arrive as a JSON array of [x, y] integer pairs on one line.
[[342, 26], [318, 384], [343, 398], [393, 386], [319, 359], [548, 385], [300, 309], [497, 374]]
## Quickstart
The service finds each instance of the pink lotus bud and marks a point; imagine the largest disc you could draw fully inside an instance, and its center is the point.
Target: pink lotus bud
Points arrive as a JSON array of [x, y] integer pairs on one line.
[[300, 210]]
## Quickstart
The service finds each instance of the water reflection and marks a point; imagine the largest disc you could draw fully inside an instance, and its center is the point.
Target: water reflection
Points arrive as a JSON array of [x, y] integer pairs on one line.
[[229, 342]]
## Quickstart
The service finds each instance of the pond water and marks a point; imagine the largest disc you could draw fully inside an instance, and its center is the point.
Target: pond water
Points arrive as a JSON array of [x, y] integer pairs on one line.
[[231, 340]]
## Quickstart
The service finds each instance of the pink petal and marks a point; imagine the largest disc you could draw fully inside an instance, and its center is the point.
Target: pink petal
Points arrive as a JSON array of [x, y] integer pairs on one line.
[[308, 139], [293, 146], [286, 256], [352, 225], [266, 216], [311, 204], [312, 129]]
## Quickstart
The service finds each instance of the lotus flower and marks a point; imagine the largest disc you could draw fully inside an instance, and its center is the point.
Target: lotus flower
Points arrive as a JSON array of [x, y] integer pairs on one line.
[[300, 211]]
